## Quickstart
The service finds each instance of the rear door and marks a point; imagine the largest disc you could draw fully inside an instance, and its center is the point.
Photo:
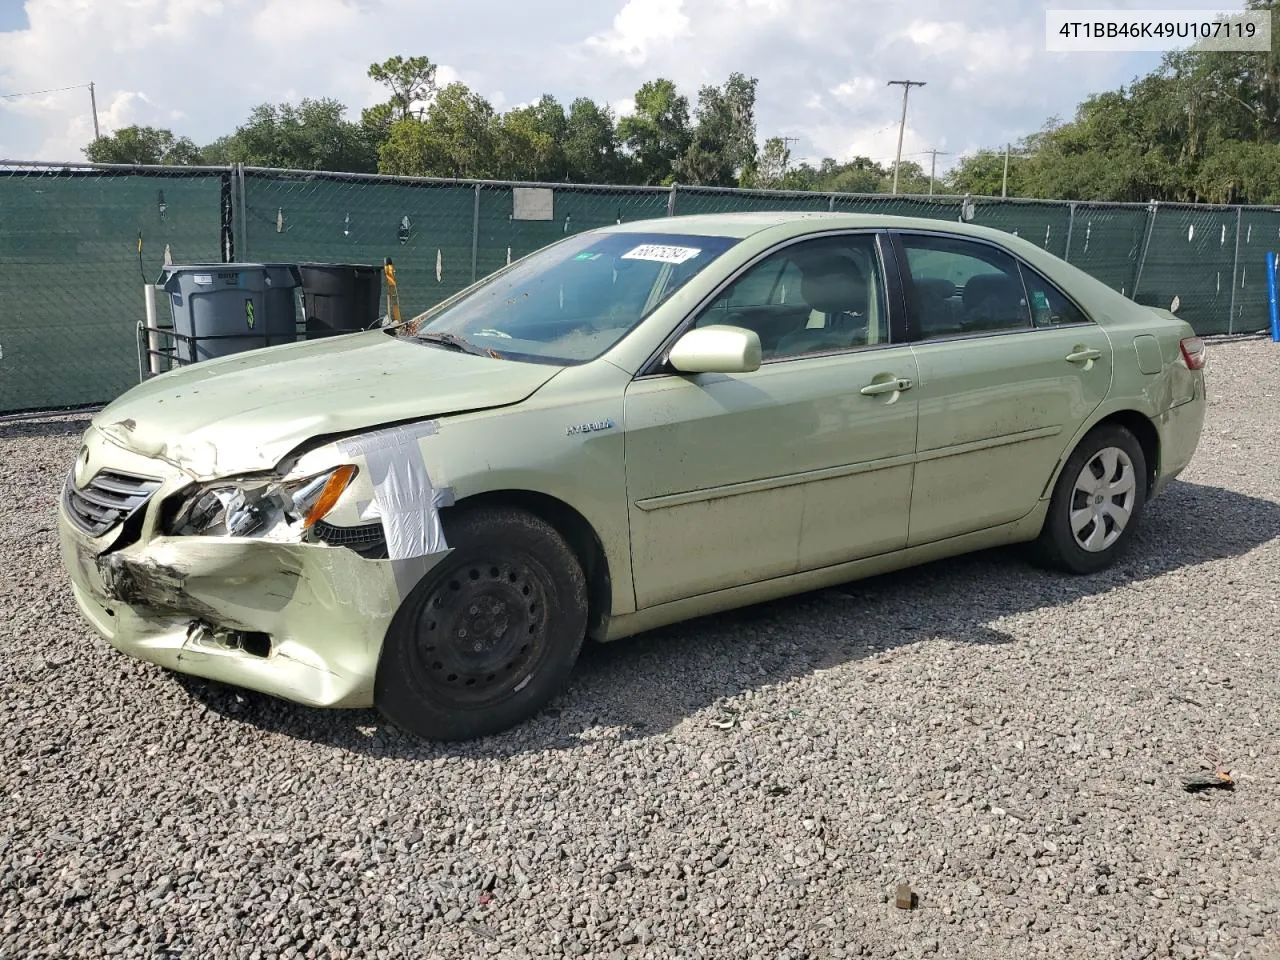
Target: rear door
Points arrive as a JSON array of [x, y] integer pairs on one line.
[[1009, 368]]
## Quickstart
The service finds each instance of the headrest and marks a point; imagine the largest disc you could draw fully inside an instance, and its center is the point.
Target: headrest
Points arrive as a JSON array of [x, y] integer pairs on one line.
[[833, 284], [986, 286]]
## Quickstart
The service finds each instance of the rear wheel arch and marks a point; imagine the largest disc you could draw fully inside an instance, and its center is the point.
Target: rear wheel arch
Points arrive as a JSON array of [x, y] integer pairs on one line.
[[1138, 424], [1145, 432], [577, 532]]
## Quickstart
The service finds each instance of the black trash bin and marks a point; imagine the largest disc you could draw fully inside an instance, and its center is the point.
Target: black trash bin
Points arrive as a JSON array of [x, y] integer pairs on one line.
[[281, 297], [340, 297], [220, 309]]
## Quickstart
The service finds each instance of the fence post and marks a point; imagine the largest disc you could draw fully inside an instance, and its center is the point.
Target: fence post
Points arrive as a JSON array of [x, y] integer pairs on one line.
[[475, 232], [244, 215], [1071, 226], [831, 204], [671, 200], [226, 214], [1152, 210], [1235, 272]]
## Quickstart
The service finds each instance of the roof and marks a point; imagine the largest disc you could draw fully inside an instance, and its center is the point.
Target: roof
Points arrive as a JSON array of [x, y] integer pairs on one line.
[[742, 225]]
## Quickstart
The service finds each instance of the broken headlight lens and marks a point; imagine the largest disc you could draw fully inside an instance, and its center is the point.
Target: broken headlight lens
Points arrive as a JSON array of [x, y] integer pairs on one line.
[[247, 508]]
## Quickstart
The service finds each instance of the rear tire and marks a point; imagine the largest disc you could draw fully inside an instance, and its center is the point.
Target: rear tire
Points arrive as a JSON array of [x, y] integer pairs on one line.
[[1097, 503], [490, 635]]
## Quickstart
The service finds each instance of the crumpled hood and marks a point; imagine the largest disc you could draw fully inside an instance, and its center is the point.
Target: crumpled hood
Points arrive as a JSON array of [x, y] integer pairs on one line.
[[245, 412]]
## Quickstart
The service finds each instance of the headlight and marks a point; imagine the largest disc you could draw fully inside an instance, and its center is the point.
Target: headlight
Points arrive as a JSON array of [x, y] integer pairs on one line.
[[242, 508]]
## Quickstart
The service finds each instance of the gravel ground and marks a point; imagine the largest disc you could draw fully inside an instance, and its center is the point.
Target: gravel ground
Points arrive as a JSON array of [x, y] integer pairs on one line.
[[1008, 742]]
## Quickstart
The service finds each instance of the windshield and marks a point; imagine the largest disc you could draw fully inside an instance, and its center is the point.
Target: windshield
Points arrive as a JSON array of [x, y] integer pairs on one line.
[[572, 301]]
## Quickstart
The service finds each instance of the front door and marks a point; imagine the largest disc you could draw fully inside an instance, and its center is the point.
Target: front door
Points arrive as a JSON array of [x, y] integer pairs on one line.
[[803, 463], [1009, 368]]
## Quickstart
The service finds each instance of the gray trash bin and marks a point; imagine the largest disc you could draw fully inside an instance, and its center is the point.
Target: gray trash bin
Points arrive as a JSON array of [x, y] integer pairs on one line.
[[222, 308]]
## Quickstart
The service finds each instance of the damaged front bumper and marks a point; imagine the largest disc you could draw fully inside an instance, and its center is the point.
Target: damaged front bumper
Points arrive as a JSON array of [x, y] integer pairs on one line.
[[301, 621]]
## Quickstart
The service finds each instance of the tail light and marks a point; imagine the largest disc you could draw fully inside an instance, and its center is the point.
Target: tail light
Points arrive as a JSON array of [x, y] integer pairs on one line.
[[1193, 353]]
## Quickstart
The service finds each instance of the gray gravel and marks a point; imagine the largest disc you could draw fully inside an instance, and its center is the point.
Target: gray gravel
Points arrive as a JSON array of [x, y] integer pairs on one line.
[[1008, 742]]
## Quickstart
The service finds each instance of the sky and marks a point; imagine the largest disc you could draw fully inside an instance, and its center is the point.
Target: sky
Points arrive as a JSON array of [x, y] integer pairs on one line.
[[198, 67]]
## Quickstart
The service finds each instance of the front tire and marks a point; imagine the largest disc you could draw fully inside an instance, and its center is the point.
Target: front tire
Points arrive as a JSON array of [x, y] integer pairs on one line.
[[490, 635], [1097, 502]]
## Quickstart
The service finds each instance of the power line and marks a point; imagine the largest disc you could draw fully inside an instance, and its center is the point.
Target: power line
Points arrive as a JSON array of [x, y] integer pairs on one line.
[[40, 93]]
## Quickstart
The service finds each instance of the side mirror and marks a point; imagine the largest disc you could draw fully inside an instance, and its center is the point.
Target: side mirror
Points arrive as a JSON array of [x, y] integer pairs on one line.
[[718, 348]]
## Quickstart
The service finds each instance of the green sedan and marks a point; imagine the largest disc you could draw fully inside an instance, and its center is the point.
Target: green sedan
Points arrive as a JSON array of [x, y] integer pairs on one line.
[[633, 426]]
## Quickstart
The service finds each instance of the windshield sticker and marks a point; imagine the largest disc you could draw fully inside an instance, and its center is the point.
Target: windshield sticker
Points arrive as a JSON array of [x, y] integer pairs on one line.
[[661, 254], [587, 256]]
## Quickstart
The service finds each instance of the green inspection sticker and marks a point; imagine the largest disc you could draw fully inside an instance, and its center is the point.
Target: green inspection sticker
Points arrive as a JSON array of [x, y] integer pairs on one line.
[[1041, 301]]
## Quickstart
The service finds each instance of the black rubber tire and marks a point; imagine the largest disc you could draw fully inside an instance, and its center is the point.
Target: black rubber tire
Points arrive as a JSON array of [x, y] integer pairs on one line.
[[1057, 547], [431, 684]]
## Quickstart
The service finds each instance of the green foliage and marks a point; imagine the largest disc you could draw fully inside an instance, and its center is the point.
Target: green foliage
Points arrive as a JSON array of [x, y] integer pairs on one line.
[[143, 145], [412, 84], [457, 137], [591, 148], [310, 136], [722, 147], [657, 134]]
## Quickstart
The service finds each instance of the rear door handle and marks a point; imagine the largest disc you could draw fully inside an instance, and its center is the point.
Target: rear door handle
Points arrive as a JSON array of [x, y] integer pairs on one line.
[[1084, 356], [887, 386]]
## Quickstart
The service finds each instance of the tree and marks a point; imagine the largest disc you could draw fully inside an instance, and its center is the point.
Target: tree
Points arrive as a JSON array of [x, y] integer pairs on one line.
[[310, 136], [456, 138], [722, 148], [591, 144], [143, 145], [531, 141], [771, 167], [412, 83], [657, 133]]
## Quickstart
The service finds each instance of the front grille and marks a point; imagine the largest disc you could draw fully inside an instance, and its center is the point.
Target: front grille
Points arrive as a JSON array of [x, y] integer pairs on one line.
[[107, 500], [368, 540]]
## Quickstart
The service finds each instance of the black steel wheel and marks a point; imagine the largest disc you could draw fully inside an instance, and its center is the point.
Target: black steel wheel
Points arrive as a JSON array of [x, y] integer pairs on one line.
[[490, 635]]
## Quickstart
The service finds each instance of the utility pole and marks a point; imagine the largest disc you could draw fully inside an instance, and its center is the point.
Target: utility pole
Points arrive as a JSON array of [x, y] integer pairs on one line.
[[933, 166], [906, 86], [786, 151], [93, 103], [1004, 185]]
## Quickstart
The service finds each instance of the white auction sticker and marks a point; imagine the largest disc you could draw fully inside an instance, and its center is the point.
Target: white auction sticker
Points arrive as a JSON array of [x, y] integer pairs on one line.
[[661, 254]]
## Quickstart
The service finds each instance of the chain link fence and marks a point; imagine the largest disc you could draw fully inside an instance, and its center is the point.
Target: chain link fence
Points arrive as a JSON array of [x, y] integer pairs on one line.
[[77, 243]]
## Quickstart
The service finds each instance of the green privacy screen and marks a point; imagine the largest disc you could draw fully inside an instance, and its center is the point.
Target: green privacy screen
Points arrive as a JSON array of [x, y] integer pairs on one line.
[[70, 282], [71, 286]]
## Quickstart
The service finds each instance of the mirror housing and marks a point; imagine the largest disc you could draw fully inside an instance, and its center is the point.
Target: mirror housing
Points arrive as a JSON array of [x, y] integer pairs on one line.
[[718, 348]]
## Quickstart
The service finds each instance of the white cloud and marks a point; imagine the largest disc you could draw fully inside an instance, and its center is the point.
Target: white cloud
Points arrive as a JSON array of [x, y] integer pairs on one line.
[[639, 28]]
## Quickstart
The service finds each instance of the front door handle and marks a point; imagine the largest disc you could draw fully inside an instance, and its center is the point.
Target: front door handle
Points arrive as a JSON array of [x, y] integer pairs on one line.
[[1084, 355], [886, 386]]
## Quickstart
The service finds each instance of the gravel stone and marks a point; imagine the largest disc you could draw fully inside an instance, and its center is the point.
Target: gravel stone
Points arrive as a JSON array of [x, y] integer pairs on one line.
[[750, 785]]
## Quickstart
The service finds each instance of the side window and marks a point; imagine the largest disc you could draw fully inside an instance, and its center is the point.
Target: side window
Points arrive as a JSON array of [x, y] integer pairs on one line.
[[1049, 305], [957, 287], [816, 296]]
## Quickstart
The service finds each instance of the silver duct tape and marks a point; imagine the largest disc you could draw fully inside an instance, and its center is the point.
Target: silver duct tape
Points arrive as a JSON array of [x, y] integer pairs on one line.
[[403, 497]]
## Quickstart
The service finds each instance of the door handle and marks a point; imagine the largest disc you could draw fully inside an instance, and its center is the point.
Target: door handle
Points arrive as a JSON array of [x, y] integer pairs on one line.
[[886, 386], [1084, 355]]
